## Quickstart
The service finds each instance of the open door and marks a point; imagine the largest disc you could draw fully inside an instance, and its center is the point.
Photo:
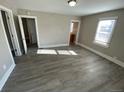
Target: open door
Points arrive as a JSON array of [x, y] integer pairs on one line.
[[74, 32], [8, 31], [22, 33]]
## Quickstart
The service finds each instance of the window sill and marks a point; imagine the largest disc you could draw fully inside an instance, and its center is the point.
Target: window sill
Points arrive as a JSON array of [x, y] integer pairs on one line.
[[101, 44]]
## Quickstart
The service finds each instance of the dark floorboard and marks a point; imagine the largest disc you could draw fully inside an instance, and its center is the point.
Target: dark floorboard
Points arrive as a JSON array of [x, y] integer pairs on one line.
[[67, 73]]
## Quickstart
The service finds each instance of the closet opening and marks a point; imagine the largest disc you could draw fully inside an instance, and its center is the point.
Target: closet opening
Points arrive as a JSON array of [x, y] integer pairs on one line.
[[28, 27]]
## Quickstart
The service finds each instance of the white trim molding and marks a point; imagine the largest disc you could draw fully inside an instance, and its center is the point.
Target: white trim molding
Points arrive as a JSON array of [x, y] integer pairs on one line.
[[6, 76], [112, 59], [22, 32], [12, 24], [77, 35], [109, 18], [52, 46]]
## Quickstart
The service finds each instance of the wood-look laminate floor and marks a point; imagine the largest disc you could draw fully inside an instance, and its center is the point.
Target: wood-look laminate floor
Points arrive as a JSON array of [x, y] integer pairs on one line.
[[68, 73]]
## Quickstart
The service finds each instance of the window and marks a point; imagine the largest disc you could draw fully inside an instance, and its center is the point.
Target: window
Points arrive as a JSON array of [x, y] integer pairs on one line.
[[104, 31]]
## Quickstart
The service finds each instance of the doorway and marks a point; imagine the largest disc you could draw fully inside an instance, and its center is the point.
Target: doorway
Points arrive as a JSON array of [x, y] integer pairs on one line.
[[73, 34], [29, 33], [8, 30]]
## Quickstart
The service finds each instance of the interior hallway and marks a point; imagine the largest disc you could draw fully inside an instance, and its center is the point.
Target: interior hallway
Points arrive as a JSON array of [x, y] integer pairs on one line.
[[58, 72]]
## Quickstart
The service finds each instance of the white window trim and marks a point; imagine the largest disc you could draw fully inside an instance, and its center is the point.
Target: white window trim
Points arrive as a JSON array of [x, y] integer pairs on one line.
[[109, 41]]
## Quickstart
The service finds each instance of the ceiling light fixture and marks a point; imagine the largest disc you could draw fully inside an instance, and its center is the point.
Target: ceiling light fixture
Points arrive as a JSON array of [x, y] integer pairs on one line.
[[72, 3]]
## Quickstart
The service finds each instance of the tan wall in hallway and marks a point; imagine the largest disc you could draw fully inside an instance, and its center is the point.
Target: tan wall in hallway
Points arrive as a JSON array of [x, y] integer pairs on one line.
[[75, 28]]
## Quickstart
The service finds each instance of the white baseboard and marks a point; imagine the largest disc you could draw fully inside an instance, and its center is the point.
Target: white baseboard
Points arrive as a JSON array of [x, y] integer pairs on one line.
[[51, 46], [6, 76], [116, 61]]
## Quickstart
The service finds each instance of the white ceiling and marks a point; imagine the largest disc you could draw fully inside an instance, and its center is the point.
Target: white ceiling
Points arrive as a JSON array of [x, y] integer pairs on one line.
[[84, 7]]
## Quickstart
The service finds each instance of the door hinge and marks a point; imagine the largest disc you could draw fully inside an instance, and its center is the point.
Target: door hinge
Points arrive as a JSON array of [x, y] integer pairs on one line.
[[15, 50], [8, 17], [12, 35]]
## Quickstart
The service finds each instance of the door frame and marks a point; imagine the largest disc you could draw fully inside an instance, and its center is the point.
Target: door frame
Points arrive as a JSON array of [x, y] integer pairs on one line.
[[77, 36], [15, 40], [22, 29]]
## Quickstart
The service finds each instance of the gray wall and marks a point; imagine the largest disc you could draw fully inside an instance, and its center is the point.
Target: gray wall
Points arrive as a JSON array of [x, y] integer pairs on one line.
[[6, 59], [53, 28], [11, 4], [88, 30]]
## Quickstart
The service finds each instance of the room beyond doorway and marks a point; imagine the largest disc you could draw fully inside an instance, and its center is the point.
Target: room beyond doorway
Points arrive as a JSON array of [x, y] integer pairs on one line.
[[74, 31], [29, 33]]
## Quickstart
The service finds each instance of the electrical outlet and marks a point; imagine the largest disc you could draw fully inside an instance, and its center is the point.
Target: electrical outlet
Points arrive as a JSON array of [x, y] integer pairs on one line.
[[4, 67]]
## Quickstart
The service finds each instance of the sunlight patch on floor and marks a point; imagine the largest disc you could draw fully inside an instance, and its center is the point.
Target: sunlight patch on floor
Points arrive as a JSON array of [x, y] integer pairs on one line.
[[66, 52], [56, 52], [44, 51], [63, 52], [72, 52]]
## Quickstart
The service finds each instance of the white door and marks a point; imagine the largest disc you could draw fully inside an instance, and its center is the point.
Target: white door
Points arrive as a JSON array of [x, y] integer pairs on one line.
[[23, 34], [10, 31]]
